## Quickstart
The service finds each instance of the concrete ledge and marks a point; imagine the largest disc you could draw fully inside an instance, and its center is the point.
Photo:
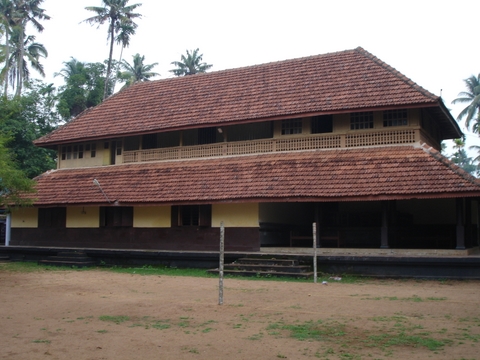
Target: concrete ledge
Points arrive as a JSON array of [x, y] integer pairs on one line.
[[372, 252]]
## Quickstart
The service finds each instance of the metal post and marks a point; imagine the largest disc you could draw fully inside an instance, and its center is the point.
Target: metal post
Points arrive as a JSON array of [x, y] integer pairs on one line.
[[314, 225], [8, 227], [220, 266]]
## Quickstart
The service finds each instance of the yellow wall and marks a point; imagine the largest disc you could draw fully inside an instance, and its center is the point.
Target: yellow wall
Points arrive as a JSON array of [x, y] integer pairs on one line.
[[83, 217], [25, 218], [235, 215], [105, 153], [86, 161], [152, 216]]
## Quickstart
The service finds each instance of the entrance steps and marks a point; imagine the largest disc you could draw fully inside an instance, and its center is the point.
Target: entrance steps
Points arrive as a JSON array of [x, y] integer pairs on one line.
[[4, 259], [77, 259], [266, 267]]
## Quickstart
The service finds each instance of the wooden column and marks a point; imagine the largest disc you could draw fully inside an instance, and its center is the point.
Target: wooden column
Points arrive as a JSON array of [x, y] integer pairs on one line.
[[468, 223], [460, 225], [478, 222], [384, 228], [319, 224]]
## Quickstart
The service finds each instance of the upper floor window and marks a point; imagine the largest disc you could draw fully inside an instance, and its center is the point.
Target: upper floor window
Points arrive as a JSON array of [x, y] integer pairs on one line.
[[397, 117], [361, 120], [72, 152], [291, 126], [92, 148], [149, 141], [322, 124]]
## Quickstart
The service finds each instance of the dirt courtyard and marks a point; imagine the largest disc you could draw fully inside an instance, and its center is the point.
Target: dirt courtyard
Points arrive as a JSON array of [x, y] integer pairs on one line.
[[99, 314]]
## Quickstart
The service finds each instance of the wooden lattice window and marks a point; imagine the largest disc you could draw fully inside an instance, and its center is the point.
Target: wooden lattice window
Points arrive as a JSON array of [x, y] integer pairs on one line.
[[361, 120], [397, 117], [291, 126]]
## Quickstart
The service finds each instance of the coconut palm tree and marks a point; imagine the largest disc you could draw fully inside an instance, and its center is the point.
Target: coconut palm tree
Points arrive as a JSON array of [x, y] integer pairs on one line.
[[71, 68], [123, 38], [7, 21], [31, 52], [116, 13], [190, 64], [26, 11], [472, 97], [136, 72]]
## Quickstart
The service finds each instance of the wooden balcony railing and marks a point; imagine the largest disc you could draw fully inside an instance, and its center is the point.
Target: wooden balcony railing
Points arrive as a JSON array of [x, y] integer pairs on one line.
[[321, 141]]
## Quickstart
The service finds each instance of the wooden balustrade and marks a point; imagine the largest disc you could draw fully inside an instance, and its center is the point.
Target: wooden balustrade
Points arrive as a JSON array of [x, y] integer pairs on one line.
[[312, 142]]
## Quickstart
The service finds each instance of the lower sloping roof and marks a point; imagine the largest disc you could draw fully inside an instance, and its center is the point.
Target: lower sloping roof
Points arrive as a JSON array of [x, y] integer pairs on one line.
[[386, 173]]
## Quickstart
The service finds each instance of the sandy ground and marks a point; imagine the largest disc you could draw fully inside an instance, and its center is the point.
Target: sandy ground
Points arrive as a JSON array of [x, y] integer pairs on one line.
[[104, 315]]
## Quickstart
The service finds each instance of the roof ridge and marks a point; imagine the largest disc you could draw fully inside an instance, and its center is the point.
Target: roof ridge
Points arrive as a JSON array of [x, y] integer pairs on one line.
[[397, 73], [450, 164], [234, 69]]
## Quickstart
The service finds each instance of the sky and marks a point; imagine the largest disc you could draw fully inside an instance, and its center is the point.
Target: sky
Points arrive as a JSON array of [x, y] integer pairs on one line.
[[432, 42]]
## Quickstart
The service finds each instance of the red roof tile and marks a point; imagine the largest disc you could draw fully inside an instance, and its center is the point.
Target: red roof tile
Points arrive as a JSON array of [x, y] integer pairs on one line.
[[402, 172], [342, 81]]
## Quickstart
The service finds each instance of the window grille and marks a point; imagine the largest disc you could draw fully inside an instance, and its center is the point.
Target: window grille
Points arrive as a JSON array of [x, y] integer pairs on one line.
[[291, 126], [398, 117], [361, 120]]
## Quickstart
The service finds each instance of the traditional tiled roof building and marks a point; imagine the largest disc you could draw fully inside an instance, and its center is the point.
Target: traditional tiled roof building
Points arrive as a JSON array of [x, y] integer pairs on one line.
[[340, 139]]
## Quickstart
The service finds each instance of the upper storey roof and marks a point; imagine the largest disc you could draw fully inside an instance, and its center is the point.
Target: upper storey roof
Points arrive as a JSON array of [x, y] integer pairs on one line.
[[388, 173], [351, 80]]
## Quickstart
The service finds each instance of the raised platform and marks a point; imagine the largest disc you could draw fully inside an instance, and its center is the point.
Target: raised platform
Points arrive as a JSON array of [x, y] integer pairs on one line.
[[372, 252], [411, 263]]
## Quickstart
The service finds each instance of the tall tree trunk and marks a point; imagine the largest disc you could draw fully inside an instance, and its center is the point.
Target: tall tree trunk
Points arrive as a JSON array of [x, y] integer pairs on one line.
[[118, 68], [20, 61], [109, 66], [7, 58]]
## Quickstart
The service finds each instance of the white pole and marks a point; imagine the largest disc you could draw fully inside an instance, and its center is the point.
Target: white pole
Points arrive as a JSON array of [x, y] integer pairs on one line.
[[220, 266], [314, 225], [8, 226]]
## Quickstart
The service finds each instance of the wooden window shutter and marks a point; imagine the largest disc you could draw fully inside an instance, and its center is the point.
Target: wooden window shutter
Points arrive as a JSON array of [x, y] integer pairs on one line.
[[174, 216], [205, 215], [127, 216]]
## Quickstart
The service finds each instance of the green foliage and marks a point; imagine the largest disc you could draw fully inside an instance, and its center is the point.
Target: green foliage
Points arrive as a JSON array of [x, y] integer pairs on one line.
[[461, 158], [137, 71], [190, 64], [24, 119], [84, 83], [118, 15], [471, 97], [13, 182], [19, 47]]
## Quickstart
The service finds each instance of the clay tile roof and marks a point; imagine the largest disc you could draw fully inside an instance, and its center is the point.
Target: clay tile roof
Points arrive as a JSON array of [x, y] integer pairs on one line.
[[401, 172], [329, 83]]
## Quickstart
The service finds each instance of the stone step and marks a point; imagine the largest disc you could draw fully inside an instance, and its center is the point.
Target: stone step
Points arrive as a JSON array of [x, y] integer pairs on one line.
[[69, 258], [78, 264], [269, 268], [267, 261], [72, 253], [303, 275]]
